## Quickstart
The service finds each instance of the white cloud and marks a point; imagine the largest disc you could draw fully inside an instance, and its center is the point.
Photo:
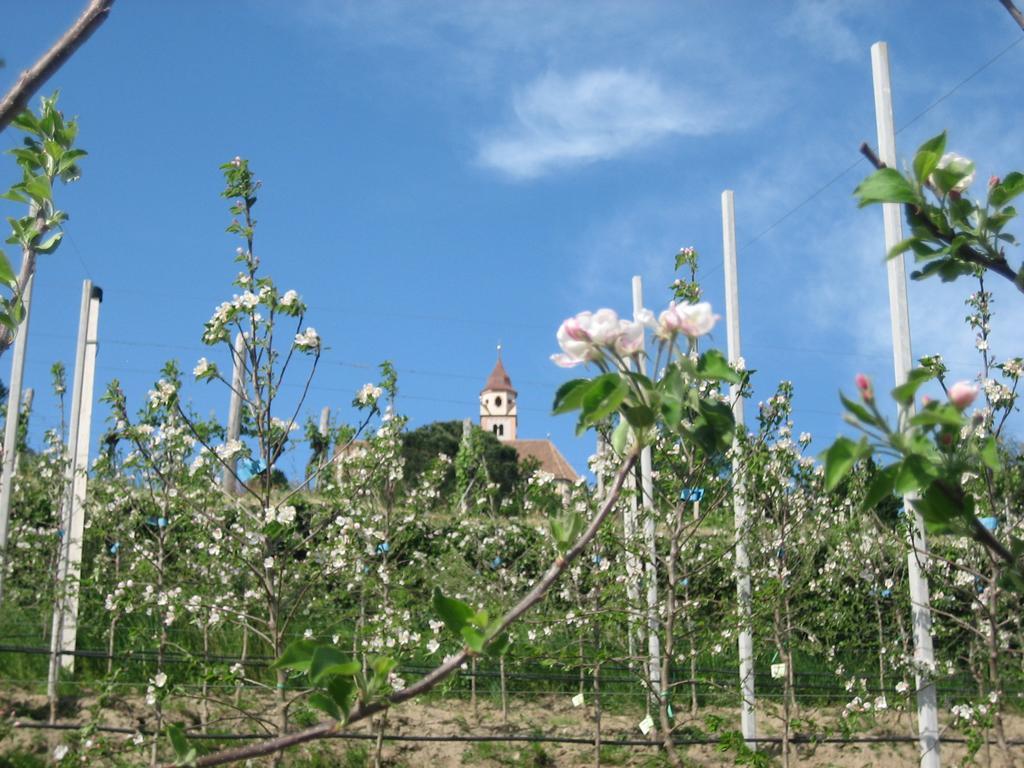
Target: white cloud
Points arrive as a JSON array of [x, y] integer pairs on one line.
[[597, 115], [823, 26]]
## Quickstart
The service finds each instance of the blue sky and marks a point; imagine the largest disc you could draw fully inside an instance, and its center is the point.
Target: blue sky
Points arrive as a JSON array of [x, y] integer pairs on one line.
[[442, 176]]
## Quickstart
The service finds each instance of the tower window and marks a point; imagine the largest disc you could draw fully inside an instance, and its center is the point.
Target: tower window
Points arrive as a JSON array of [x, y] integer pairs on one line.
[[497, 401], [498, 430]]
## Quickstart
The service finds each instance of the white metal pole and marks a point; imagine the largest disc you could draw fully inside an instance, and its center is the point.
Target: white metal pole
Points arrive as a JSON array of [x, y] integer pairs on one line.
[[11, 428], [235, 408], [71, 453], [920, 603], [647, 497], [748, 715], [76, 526]]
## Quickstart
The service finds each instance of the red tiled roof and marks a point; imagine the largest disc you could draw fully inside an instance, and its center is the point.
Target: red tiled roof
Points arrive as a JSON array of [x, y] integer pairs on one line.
[[499, 380], [549, 457]]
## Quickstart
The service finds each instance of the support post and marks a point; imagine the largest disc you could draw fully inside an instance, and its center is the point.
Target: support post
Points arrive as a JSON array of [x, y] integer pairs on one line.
[[76, 528], [235, 409], [748, 714], [10, 455], [71, 452], [920, 602], [647, 500]]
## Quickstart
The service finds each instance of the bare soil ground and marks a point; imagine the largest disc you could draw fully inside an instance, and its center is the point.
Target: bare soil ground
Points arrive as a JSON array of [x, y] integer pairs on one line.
[[552, 716]]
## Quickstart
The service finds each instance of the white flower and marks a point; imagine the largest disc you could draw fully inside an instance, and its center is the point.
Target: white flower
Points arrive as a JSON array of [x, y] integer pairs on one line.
[[309, 339], [368, 394], [247, 300], [138, 739], [60, 752], [289, 298], [160, 680], [955, 162], [201, 367], [286, 515], [308, 634], [902, 687], [268, 563]]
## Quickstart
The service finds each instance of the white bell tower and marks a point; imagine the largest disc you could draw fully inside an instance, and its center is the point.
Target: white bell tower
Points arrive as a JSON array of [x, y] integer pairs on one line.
[[498, 404]]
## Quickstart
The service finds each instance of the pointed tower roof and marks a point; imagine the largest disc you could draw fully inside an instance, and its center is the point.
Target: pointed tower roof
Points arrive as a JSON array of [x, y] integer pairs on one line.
[[499, 381]]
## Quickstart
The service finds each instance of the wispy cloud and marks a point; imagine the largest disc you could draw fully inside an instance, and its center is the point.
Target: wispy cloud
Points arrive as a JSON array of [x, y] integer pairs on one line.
[[599, 114], [824, 26]]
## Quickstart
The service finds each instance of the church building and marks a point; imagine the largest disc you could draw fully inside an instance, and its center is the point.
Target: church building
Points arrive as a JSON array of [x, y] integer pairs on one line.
[[498, 415]]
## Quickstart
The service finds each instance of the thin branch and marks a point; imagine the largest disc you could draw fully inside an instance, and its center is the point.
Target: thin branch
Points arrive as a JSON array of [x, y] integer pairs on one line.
[[534, 596], [32, 79], [1014, 11]]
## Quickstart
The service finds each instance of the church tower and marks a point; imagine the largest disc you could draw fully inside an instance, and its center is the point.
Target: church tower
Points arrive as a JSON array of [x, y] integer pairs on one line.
[[498, 404]]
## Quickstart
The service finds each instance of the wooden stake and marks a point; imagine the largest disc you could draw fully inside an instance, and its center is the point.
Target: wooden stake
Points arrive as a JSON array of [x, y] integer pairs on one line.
[[748, 715], [920, 603], [10, 455]]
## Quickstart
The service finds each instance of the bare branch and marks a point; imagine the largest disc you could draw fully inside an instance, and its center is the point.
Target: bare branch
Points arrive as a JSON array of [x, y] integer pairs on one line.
[[1014, 11], [32, 79]]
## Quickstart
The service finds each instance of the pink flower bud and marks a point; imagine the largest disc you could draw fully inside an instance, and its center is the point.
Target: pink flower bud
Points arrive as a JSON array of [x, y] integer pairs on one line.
[[926, 400], [962, 394], [993, 182], [864, 385]]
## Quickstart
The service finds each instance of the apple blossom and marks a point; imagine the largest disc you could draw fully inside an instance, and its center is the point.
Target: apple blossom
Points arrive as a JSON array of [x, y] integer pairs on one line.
[[692, 320], [962, 394], [959, 164], [308, 339]]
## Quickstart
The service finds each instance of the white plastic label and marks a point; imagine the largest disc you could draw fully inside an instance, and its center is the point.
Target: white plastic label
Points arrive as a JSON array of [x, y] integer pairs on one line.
[[646, 725], [778, 671], [577, 700]]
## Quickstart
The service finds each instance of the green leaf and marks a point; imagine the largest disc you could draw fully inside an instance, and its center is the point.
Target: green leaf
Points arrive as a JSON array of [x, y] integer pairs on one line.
[[914, 473], [944, 179], [328, 660], [939, 414], [497, 646], [473, 638], [382, 666], [325, 703], [840, 458], [881, 487], [989, 453], [928, 156], [569, 396], [7, 276], [863, 414], [638, 416], [713, 365], [454, 613], [1007, 189], [51, 243], [603, 397], [619, 436], [341, 690], [184, 753], [945, 512], [885, 186], [38, 187], [904, 393], [297, 656]]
